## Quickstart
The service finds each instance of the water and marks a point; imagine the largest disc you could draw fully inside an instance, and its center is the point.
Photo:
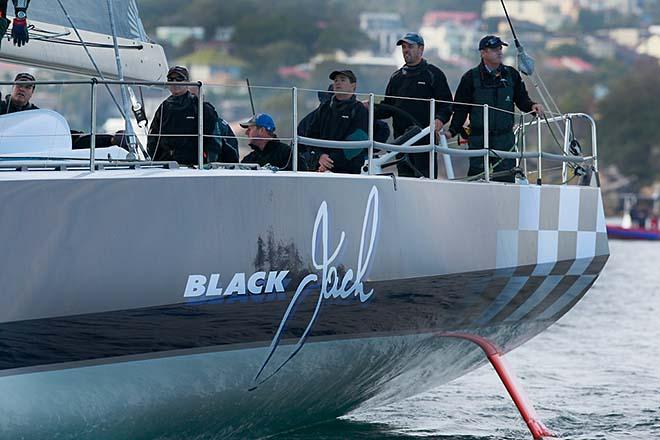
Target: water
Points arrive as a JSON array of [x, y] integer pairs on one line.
[[593, 375]]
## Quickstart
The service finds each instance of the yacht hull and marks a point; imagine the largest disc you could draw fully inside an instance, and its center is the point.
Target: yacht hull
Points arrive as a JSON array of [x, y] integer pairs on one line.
[[262, 301]]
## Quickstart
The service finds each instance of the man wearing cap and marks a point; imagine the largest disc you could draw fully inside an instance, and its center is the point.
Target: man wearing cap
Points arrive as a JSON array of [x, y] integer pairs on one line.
[[19, 99], [341, 118], [499, 86], [416, 79], [174, 128], [266, 148]]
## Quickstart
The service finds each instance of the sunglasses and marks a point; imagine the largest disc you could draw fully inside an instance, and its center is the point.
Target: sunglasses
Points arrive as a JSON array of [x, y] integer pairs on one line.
[[176, 79]]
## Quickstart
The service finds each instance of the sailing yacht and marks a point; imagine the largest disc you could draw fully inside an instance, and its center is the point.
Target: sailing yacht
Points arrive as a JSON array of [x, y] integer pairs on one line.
[[141, 297]]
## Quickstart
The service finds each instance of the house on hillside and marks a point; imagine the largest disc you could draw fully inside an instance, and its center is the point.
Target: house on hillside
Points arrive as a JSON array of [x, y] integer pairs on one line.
[[624, 7], [451, 34], [384, 28], [549, 14], [175, 36], [650, 46]]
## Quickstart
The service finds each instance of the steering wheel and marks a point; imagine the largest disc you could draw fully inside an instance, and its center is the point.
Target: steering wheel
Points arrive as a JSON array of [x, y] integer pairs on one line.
[[402, 158]]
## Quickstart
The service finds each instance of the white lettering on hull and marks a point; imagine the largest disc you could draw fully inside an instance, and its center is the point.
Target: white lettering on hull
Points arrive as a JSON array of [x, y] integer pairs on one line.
[[257, 283]]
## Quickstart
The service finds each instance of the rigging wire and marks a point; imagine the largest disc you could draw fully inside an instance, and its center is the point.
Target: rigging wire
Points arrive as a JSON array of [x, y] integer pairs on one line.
[[93, 61]]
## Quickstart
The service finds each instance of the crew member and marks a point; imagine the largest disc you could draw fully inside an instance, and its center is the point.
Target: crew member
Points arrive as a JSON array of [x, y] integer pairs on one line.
[[266, 148], [21, 93], [499, 86], [342, 118], [416, 79], [174, 128]]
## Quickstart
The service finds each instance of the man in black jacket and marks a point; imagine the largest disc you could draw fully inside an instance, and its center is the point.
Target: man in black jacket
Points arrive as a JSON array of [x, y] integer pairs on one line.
[[416, 79], [342, 118], [266, 148], [174, 128], [19, 100], [499, 86]]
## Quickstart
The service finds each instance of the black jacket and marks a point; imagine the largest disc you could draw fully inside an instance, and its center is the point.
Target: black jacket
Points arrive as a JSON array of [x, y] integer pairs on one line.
[[275, 153], [424, 81], [341, 120], [466, 91], [177, 115], [6, 106]]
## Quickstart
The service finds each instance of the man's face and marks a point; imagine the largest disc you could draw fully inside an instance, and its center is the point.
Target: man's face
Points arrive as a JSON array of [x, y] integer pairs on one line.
[[176, 90], [254, 133], [412, 53], [342, 83], [21, 94], [492, 55]]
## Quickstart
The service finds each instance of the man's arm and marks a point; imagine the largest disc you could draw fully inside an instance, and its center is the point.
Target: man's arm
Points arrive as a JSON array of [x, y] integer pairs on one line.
[[154, 133], [19, 29], [464, 93]]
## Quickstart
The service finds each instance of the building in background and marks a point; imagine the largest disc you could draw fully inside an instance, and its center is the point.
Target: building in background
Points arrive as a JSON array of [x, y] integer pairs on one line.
[[451, 34], [384, 28], [175, 36]]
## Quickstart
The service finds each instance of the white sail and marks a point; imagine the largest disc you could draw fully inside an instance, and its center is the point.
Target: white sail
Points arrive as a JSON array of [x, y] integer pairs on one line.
[[54, 44]]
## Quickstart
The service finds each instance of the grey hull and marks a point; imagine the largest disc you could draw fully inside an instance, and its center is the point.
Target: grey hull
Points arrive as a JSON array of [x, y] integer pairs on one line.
[[188, 288]]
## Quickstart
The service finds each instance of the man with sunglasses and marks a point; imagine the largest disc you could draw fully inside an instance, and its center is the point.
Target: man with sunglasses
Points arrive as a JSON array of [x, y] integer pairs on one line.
[[501, 87], [19, 99], [174, 129]]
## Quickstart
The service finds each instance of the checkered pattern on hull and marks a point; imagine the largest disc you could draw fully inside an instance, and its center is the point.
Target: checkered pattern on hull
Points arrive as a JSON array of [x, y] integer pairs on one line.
[[552, 256], [538, 292]]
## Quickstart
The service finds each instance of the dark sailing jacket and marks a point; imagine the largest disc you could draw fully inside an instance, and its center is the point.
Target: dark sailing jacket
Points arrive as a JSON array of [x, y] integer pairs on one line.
[[275, 153], [424, 81], [7, 106], [500, 89], [341, 120], [177, 115]]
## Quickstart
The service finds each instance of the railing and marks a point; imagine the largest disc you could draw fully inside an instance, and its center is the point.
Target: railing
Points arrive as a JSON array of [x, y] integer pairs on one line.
[[374, 163]]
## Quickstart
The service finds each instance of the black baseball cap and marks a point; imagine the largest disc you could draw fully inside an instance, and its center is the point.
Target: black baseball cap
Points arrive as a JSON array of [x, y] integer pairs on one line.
[[491, 42], [24, 76], [347, 73], [178, 73]]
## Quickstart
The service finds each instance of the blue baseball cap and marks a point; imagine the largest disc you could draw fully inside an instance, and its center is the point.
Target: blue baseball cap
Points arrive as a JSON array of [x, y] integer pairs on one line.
[[411, 38], [263, 120]]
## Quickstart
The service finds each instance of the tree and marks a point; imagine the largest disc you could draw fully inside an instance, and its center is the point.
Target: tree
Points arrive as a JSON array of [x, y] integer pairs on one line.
[[628, 121]]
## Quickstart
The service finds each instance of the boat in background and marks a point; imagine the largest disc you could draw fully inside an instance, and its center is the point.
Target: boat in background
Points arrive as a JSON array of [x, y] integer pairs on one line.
[[638, 222]]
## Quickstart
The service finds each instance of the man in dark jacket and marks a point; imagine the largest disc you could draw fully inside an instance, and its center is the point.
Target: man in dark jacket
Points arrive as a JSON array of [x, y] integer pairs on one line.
[[416, 79], [266, 148], [174, 128], [19, 100], [342, 118], [499, 86]]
